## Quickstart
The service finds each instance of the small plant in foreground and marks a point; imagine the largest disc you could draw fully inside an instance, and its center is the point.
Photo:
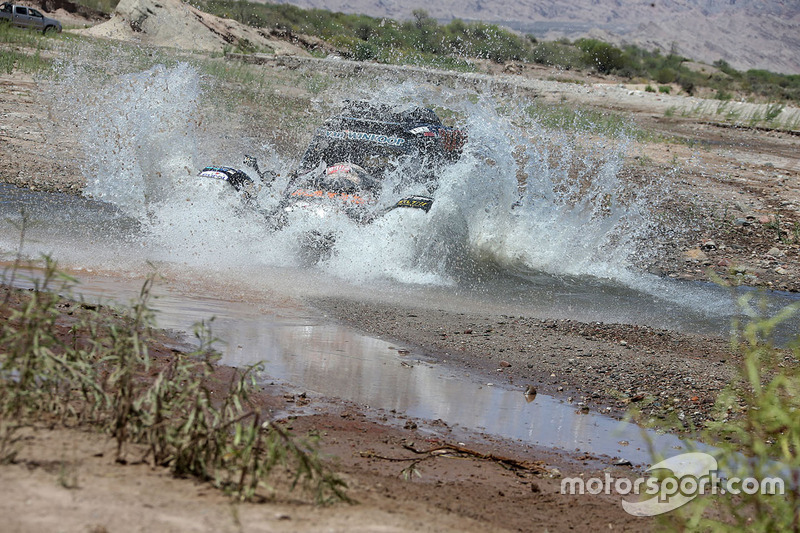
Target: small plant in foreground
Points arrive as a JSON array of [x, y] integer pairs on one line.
[[774, 225], [99, 372], [756, 434]]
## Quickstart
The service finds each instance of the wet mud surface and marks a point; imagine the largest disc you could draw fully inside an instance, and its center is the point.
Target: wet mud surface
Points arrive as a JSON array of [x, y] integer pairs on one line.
[[738, 195], [69, 479], [606, 368]]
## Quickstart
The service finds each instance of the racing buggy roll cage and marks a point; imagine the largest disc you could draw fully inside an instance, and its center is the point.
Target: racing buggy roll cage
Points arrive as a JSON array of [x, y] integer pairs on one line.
[[357, 147], [380, 138]]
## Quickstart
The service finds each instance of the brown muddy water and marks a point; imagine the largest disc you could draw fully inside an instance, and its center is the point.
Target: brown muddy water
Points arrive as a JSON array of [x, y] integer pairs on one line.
[[299, 348]]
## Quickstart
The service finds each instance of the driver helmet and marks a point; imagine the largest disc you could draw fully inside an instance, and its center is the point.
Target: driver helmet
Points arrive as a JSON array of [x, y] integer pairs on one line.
[[348, 177]]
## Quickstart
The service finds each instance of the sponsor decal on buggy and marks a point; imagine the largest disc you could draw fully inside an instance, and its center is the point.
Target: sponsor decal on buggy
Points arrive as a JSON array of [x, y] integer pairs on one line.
[[214, 172], [418, 202], [369, 137], [344, 197]]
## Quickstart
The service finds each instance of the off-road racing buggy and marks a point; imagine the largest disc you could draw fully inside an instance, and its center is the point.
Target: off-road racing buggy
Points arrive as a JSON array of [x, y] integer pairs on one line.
[[345, 166]]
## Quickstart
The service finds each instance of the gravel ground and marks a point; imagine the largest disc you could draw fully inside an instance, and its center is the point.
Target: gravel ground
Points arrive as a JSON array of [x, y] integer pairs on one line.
[[671, 376], [736, 200]]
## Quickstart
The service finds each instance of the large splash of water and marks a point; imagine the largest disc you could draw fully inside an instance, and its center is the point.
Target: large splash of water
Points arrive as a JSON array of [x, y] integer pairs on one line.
[[137, 130], [522, 198]]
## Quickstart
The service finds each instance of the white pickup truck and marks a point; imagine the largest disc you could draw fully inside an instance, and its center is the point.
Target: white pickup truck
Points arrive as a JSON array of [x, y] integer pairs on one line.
[[27, 17]]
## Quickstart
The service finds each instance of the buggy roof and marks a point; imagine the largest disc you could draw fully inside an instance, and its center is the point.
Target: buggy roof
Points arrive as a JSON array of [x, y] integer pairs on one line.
[[400, 114]]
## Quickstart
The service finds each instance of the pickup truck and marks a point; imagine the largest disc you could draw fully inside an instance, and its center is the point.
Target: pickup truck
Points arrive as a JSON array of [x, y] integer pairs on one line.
[[27, 17]]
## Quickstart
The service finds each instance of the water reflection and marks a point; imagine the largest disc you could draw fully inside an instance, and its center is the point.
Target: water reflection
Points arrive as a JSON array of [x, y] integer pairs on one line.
[[331, 360]]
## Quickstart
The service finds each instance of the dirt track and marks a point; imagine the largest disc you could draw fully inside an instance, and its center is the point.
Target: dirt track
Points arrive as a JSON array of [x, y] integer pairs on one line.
[[738, 193], [734, 192]]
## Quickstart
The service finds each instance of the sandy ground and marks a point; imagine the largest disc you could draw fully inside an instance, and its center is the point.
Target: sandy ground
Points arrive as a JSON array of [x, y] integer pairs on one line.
[[68, 478], [738, 195]]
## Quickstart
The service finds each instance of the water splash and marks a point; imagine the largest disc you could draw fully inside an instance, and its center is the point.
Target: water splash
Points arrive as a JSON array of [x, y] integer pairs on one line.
[[137, 131], [523, 198], [556, 203]]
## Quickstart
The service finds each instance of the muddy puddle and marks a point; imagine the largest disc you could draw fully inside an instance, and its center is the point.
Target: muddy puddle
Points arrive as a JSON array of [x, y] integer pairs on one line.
[[307, 353]]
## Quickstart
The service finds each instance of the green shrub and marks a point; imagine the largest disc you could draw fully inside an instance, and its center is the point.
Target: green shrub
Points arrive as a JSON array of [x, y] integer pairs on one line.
[[723, 95], [99, 376], [363, 51], [665, 89], [687, 84], [557, 54], [604, 57], [665, 75], [756, 432]]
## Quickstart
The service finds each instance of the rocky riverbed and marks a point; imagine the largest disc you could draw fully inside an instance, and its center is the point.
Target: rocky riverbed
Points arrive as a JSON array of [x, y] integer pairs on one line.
[[734, 194]]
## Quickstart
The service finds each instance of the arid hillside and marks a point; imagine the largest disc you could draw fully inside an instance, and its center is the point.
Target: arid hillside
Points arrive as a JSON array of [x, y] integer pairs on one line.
[[749, 34]]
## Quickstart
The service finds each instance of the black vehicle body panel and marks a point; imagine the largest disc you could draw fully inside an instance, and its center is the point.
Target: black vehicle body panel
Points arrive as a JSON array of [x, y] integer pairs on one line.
[[380, 138], [348, 159]]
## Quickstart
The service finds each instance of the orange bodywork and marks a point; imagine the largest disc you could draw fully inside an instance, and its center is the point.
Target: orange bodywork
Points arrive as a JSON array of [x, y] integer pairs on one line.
[[344, 197]]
